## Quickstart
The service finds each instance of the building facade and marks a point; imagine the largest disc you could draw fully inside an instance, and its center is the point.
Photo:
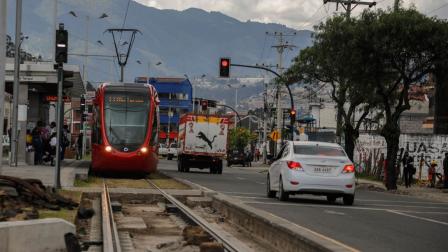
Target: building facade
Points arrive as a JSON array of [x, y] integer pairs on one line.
[[175, 96]]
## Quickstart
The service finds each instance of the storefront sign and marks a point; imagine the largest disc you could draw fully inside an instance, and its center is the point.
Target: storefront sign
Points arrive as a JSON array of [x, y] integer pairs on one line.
[[54, 98]]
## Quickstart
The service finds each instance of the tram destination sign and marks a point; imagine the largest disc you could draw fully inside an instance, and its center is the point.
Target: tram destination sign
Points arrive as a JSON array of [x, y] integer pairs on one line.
[[122, 99]]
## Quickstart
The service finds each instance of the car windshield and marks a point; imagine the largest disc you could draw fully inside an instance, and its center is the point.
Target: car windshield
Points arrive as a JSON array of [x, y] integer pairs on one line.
[[162, 146], [318, 150], [173, 145]]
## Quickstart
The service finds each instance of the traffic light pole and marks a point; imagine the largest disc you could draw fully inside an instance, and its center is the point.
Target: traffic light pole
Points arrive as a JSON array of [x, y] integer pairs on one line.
[[280, 78], [57, 172]]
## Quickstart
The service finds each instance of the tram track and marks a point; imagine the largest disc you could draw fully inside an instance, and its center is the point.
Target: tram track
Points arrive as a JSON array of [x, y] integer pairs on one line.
[[111, 241], [113, 224], [219, 235]]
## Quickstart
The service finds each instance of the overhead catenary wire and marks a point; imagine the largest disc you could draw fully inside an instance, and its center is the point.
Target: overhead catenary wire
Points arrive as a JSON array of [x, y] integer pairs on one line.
[[438, 8]]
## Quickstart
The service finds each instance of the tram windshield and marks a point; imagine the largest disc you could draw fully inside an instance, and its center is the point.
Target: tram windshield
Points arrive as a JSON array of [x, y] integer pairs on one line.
[[126, 117]]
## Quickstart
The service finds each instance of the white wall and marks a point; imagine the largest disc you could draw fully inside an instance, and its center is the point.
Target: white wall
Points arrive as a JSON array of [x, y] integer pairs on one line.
[[433, 147]]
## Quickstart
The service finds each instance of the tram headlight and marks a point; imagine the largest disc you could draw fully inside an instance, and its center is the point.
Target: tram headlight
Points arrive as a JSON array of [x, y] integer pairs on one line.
[[144, 149], [108, 148]]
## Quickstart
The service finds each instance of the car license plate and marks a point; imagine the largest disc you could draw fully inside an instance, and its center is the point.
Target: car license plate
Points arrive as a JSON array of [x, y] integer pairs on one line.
[[322, 169]]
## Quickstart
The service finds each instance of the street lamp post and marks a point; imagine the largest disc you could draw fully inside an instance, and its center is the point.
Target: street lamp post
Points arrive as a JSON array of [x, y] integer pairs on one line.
[[149, 65], [236, 96], [84, 69], [18, 38], [86, 43]]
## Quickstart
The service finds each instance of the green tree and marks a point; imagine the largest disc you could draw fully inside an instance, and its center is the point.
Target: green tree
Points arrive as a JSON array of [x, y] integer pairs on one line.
[[239, 138], [333, 60], [400, 48]]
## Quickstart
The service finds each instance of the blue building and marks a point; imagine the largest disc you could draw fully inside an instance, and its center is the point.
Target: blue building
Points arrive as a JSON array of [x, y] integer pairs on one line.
[[175, 96]]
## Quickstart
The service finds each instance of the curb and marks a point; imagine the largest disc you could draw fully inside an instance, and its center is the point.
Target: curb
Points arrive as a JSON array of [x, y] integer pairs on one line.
[[280, 233]]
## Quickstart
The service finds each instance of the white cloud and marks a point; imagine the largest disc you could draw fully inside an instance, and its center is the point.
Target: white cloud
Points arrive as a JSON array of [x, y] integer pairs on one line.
[[294, 13]]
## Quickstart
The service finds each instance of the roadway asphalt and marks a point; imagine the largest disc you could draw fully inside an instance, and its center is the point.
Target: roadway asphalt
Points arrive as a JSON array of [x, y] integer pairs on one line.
[[378, 221]]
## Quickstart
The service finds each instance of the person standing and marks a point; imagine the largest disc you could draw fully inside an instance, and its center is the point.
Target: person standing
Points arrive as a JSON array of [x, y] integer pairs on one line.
[[432, 173], [408, 168], [79, 147], [445, 171], [37, 142], [65, 142]]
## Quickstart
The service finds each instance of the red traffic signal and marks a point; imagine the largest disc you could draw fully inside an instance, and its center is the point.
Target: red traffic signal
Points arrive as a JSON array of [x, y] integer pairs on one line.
[[224, 67]]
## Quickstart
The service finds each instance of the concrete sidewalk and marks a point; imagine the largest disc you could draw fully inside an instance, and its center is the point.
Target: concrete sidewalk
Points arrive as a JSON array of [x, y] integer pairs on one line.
[[422, 192], [45, 173]]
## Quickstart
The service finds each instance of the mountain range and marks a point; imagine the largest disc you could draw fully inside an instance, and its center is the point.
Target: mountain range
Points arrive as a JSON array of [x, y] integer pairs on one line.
[[171, 43]]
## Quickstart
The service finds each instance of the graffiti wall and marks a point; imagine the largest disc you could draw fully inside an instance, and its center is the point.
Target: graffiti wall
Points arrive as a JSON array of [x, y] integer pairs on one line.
[[370, 151]]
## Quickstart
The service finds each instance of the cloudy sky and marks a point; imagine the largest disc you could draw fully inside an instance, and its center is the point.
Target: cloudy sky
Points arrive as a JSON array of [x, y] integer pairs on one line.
[[299, 14]]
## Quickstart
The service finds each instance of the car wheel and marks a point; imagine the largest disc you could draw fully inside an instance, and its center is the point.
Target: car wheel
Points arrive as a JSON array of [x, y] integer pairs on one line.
[[269, 192], [282, 195], [213, 169], [169, 157], [229, 164], [348, 199], [331, 198]]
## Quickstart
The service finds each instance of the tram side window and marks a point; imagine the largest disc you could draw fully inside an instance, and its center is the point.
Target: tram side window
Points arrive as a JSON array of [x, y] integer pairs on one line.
[[155, 127]]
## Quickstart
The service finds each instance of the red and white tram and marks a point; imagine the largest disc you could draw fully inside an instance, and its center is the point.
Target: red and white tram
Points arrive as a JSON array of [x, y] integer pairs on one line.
[[125, 128]]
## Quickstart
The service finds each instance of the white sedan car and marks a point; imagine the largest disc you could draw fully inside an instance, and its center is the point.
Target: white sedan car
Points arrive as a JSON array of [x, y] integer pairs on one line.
[[317, 168]]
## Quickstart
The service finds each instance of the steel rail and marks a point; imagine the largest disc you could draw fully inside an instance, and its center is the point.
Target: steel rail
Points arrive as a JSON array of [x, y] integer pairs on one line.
[[111, 242], [198, 220]]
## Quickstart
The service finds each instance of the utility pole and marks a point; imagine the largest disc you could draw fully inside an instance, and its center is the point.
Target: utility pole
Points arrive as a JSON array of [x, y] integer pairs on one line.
[[2, 72], [14, 130], [281, 46], [349, 6], [396, 5], [265, 121]]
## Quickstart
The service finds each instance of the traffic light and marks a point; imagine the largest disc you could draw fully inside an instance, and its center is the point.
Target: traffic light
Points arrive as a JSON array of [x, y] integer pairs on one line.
[[292, 115], [224, 67], [61, 51], [204, 104]]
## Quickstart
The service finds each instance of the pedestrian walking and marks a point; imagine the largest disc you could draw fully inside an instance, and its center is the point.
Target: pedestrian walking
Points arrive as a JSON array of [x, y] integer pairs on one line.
[[445, 171]]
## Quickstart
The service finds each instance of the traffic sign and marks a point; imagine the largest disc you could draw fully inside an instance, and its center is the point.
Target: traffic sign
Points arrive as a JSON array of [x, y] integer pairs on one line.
[[275, 135]]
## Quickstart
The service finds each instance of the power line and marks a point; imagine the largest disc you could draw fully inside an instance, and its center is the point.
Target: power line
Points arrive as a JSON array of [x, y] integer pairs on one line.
[[124, 21], [436, 9]]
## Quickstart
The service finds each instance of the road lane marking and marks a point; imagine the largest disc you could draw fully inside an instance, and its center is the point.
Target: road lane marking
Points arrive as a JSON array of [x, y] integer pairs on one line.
[[333, 212], [407, 206], [402, 201], [418, 217], [261, 183], [340, 207], [240, 178]]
